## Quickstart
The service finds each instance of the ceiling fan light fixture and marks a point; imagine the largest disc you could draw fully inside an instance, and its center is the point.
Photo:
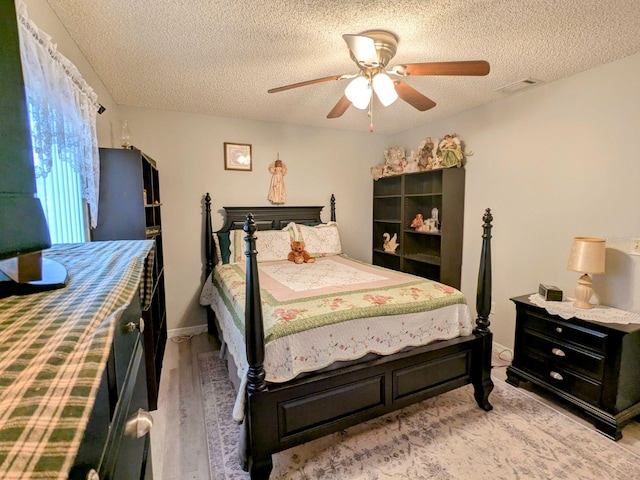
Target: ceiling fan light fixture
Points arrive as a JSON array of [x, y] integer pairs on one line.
[[385, 89], [359, 92]]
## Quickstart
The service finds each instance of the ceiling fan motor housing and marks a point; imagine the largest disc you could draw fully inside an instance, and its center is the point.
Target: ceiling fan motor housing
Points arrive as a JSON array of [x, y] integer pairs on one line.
[[386, 46]]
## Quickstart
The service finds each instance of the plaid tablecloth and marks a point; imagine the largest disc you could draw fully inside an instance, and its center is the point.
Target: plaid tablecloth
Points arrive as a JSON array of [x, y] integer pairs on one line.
[[53, 351]]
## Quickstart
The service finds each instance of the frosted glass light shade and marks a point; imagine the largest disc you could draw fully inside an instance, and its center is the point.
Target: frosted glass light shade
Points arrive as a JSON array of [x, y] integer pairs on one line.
[[359, 92], [587, 255], [385, 89]]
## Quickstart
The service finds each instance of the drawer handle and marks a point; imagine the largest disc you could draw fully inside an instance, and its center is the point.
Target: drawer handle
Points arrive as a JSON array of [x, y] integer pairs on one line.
[[559, 329], [131, 326], [93, 475], [139, 424], [556, 376], [558, 352]]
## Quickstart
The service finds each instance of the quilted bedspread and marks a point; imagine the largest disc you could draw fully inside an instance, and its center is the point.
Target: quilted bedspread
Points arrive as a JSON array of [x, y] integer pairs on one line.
[[335, 309]]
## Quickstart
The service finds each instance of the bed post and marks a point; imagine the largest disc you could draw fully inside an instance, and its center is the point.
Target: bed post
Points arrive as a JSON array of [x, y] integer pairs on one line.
[[333, 208], [255, 457], [208, 253], [482, 366], [208, 235]]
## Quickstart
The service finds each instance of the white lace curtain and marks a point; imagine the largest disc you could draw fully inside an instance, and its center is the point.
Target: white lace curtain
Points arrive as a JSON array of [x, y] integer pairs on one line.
[[63, 109]]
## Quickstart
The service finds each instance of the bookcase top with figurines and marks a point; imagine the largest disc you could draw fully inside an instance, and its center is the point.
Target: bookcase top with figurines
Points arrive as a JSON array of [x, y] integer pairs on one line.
[[418, 223]]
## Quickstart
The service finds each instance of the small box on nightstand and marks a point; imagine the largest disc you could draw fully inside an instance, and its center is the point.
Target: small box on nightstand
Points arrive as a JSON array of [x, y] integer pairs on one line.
[[550, 293]]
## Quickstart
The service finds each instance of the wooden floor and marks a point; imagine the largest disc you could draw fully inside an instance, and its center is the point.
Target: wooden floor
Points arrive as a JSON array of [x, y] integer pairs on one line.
[[178, 441]]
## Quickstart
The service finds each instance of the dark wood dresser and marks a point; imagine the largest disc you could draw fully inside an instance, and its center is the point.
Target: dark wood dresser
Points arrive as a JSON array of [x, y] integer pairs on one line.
[[594, 366], [73, 382]]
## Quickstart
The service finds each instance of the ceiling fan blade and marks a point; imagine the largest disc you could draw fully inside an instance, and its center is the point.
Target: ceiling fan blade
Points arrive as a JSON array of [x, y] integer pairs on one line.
[[340, 107], [362, 48], [308, 82], [413, 97], [473, 67]]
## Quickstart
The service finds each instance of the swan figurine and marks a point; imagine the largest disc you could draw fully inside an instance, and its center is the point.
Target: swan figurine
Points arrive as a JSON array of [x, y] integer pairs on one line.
[[390, 243]]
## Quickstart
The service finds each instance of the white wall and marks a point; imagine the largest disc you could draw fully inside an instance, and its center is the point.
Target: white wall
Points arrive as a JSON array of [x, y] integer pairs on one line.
[[189, 151], [553, 162]]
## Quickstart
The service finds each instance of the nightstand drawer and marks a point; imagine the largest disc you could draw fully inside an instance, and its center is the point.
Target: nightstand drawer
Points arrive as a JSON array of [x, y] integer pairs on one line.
[[563, 355], [581, 387], [565, 332]]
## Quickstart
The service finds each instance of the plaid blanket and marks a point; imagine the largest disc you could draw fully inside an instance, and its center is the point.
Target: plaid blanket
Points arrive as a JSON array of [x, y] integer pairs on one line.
[[53, 352]]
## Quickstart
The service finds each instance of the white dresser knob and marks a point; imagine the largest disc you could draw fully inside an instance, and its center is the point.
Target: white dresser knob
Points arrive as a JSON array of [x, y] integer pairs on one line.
[[559, 329], [139, 424], [556, 376], [93, 475], [558, 352]]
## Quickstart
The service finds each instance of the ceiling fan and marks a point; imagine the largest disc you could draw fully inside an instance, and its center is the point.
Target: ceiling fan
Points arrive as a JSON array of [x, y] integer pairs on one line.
[[372, 50]]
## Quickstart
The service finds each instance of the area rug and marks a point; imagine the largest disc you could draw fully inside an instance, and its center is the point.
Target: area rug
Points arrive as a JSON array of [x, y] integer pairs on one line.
[[442, 438]]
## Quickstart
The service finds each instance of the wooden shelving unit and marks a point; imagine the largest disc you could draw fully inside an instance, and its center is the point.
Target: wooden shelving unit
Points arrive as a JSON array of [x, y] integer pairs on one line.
[[397, 200], [130, 209]]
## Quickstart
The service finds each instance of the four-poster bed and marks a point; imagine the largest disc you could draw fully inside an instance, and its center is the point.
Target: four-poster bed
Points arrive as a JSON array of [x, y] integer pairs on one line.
[[279, 415]]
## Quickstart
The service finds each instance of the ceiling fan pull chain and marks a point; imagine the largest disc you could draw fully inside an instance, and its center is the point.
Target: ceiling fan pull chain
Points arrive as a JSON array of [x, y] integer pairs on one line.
[[371, 115]]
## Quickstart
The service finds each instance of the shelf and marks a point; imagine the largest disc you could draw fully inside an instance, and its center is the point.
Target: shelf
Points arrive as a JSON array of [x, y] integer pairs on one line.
[[396, 202], [424, 258], [382, 220], [384, 252], [386, 196], [433, 234]]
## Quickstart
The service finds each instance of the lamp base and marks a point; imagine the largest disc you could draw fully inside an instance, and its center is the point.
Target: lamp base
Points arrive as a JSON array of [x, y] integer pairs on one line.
[[584, 292]]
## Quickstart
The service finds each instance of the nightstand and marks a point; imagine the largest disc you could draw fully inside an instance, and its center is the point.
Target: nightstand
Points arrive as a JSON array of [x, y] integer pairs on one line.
[[595, 366]]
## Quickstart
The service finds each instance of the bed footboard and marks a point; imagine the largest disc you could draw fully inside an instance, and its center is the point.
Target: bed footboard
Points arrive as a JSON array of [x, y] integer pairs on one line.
[[280, 416]]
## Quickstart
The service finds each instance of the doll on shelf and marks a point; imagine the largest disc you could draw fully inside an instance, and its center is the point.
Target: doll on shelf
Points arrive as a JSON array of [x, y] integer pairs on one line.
[[417, 222], [277, 192], [433, 223]]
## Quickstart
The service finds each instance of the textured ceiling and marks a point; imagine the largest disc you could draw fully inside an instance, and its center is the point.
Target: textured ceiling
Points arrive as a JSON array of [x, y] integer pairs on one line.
[[221, 56]]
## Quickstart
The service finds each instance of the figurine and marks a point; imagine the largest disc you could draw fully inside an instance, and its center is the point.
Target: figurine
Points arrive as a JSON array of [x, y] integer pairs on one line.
[[390, 244], [426, 152], [277, 192], [418, 222], [451, 151], [433, 223]]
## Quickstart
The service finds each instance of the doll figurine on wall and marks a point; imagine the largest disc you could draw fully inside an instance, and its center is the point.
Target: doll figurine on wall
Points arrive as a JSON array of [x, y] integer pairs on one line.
[[277, 193]]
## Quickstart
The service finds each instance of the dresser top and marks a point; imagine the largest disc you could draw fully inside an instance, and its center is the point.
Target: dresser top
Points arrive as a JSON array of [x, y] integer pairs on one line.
[[524, 300], [53, 351]]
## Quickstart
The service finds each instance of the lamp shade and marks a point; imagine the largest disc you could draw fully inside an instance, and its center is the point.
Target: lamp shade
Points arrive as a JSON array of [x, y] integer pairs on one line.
[[385, 89], [359, 92], [587, 255]]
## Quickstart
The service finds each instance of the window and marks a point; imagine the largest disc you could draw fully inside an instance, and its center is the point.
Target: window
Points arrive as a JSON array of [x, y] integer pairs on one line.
[[60, 193], [62, 112]]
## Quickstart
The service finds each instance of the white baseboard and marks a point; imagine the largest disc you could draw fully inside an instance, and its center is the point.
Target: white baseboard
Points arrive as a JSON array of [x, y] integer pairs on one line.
[[186, 331]]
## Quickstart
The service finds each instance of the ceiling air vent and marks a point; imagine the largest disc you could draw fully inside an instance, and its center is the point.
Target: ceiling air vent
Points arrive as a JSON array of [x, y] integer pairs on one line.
[[517, 86]]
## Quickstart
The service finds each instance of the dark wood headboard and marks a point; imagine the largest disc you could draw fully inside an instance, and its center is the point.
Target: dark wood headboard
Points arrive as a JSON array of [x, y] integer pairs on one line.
[[269, 218], [273, 217]]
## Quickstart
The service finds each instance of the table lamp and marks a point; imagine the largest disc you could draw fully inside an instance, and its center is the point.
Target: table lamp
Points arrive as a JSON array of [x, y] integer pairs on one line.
[[586, 257]]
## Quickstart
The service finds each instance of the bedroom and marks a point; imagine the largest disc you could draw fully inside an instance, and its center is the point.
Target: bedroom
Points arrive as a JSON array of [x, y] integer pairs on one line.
[[553, 162]]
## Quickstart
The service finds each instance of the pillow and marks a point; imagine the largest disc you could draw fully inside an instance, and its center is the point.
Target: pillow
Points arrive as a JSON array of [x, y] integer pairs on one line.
[[222, 244], [322, 240], [270, 244]]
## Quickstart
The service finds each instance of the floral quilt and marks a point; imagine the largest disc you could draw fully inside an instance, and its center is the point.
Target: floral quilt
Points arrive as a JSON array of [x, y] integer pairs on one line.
[[299, 297]]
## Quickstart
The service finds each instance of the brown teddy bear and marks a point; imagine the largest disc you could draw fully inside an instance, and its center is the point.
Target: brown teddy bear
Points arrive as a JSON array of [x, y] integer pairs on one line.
[[298, 254]]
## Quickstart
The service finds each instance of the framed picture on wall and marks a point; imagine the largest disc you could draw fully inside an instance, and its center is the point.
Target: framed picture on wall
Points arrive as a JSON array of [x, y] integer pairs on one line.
[[237, 156]]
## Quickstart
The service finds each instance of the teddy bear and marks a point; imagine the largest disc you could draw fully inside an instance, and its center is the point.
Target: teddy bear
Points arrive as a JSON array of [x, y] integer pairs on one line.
[[298, 254]]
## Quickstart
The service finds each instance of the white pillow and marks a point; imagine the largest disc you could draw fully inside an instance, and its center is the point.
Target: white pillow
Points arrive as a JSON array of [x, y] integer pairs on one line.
[[270, 244], [322, 240]]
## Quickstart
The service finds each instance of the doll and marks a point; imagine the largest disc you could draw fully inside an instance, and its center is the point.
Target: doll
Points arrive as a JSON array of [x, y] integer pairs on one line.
[[277, 192]]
